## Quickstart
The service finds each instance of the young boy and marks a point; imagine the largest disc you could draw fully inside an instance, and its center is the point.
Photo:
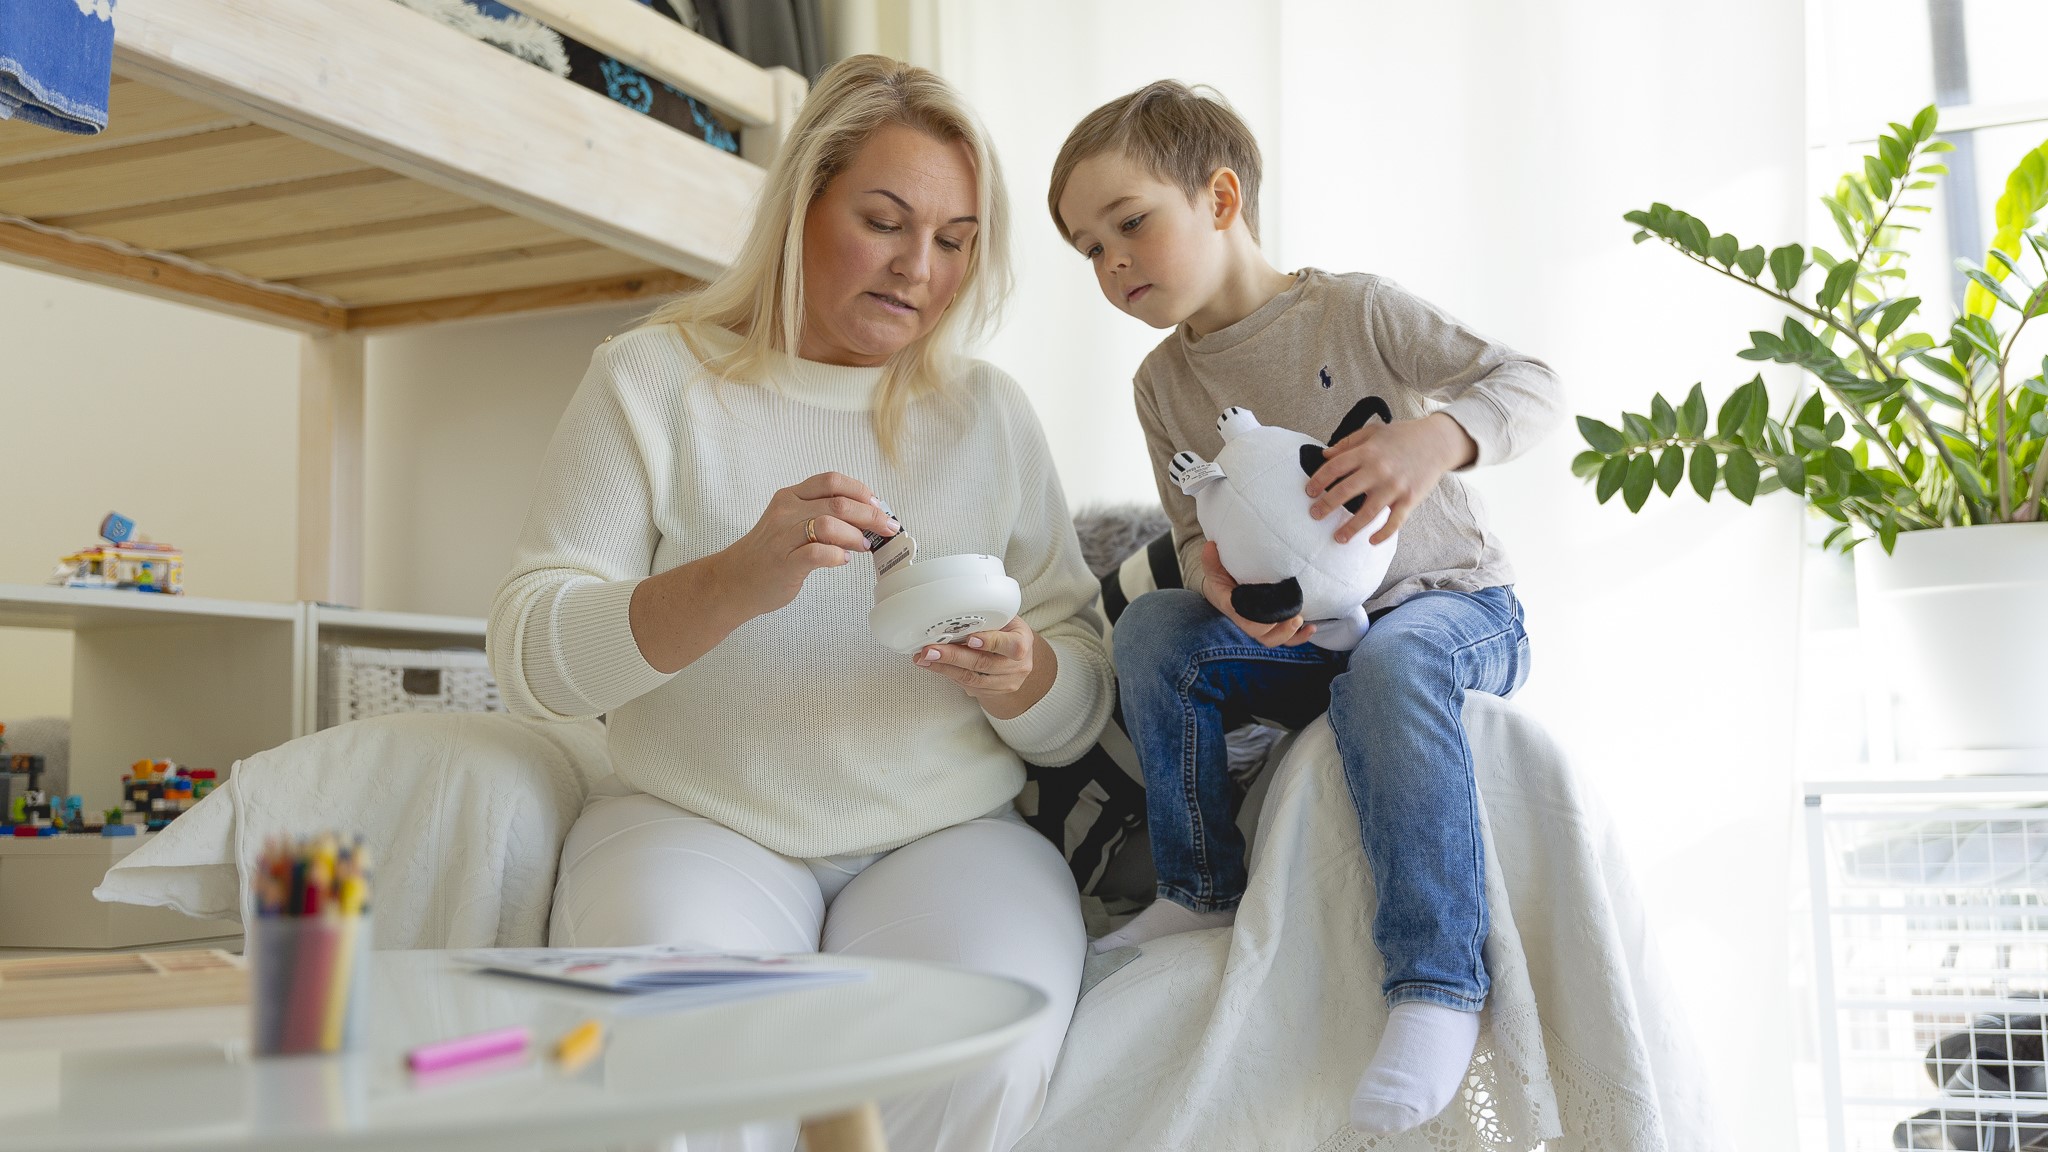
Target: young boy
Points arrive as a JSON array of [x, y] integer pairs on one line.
[[1159, 191]]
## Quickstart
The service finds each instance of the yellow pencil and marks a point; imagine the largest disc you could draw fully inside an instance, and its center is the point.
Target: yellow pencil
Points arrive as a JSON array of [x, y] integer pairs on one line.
[[580, 1046], [336, 1015]]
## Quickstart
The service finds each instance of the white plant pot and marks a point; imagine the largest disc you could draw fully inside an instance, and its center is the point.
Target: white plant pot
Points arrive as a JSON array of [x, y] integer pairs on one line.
[[1960, 618]]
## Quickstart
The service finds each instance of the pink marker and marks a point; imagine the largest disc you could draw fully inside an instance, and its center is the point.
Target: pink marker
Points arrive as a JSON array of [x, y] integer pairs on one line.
[[467, 1049]]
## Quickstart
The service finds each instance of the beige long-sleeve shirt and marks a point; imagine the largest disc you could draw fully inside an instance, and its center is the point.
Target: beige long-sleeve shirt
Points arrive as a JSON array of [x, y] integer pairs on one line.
[[799, 730], [1303, 359]]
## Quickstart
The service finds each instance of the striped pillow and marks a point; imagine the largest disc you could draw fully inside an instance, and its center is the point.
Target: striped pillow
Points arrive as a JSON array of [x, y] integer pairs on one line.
[[1090, 808]]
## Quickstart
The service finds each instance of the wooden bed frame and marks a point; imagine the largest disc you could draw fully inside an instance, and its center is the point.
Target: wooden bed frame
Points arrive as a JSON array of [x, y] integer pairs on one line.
[[347, 166]]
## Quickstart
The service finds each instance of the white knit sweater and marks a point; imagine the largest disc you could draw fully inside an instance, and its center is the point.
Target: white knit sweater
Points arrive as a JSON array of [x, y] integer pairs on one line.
[[799, 730]]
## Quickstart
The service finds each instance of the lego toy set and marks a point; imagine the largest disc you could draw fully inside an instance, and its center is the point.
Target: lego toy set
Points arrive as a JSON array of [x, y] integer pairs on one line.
[[152, 794], [126, 560]]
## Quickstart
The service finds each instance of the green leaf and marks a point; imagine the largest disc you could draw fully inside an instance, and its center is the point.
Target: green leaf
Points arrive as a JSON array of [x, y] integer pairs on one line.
[[1741, 473], [1889, 410], [1941, 366], [1586, 465], [1662, 417], [1924, 122], [1734, 411], [1723, 249], [1893, 153], [1792, 473], [1691, 233], [1611, 475], [1977, 333], [1751, 261], [1984, 280], [1843, 225], [1692, 417], [1759, 411], [1704, 470], [1836, 285], [1637, 429], [1880, 180], [1814, 412], [1603, 437], [1896, 315], [1786, 265], [1635, 490], [1671, 469]]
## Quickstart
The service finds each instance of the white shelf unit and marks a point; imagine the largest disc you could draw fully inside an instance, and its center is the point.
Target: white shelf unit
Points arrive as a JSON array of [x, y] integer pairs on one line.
[[1930, 936], [201, 681]]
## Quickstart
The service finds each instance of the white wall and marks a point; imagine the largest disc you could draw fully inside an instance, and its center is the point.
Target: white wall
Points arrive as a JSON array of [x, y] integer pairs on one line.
[[1482, 153], [183, 419], [456, 417]]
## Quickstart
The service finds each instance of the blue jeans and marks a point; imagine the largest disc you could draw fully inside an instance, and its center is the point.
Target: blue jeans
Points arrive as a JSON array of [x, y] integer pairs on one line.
[[1187, 675]]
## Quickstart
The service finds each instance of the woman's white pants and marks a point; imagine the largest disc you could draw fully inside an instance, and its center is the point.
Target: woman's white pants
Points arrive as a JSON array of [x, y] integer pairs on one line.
[[990, 894]]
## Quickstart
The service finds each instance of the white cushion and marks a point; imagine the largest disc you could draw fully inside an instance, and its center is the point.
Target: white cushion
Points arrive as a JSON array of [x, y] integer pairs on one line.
[[464, 815]]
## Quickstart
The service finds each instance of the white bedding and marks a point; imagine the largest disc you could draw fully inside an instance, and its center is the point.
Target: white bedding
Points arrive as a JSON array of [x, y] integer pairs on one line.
[[1243, 1040], [1252, 1037]]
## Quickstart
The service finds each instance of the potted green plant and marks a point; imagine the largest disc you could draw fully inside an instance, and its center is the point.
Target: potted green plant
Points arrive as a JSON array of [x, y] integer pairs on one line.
[[1930, 448]]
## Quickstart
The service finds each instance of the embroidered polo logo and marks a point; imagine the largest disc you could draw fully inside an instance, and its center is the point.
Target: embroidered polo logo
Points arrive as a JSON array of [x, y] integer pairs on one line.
[[1323, 374]]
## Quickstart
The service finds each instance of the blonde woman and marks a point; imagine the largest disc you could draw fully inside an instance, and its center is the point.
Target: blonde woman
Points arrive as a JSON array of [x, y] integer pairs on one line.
[[693, 569]]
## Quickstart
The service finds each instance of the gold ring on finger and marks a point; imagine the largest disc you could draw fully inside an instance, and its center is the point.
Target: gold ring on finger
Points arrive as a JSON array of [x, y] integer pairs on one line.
[[811, 530]]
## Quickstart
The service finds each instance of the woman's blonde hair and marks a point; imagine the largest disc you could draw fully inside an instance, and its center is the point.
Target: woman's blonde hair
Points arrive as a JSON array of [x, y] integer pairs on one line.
[[760, 295]]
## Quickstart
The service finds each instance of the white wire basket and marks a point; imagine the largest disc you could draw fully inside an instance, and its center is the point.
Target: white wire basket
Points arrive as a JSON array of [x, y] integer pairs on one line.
[[357, 682], [1931, 954]]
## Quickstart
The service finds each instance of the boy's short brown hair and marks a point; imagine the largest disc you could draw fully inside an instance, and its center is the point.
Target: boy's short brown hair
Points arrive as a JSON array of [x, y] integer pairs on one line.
[[1182, 135]]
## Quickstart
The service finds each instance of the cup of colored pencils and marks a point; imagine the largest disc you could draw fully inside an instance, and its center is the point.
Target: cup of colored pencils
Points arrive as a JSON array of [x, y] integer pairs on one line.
[[309, 948]]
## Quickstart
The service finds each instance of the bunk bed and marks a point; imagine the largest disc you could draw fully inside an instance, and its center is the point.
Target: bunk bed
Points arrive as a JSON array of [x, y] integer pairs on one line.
[[349, 166], [353, 165]]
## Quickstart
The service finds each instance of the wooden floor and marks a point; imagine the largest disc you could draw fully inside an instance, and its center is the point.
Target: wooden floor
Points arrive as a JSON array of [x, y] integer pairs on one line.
[[305, 234]]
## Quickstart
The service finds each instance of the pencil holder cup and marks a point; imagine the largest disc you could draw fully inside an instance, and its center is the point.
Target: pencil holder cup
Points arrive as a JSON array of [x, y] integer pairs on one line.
[[308, 983]]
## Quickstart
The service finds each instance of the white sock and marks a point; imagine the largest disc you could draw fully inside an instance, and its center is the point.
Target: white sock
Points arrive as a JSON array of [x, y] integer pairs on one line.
[[1418, 1069], [1162, 917]]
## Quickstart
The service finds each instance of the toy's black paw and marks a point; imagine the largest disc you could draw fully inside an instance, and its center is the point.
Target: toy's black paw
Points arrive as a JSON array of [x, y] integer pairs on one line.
[[1179, 465], [1227, 414], [1267, 603], [1312, 457]]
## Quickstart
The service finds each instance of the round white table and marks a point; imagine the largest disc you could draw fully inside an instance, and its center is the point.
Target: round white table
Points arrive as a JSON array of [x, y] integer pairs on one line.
[[185, 1080]]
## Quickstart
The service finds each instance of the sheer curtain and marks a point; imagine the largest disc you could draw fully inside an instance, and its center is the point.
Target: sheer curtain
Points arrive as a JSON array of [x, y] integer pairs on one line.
[[1482, 153]]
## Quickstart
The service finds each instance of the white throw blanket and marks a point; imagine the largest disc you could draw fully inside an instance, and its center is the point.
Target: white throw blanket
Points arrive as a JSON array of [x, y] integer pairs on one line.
[[464, 814], [1252, 1037], [1243, 1040]]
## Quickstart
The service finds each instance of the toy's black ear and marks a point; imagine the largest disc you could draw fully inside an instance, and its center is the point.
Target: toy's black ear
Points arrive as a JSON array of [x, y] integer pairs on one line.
[[1355, 419], [1267, 603]]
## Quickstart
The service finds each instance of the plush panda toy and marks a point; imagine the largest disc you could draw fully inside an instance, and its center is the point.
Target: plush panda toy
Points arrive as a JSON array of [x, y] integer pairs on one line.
[[1252, 501]]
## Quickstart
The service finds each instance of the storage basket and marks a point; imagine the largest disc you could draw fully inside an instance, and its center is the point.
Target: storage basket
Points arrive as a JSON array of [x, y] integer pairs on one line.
[[360, 682], [1931, 943]]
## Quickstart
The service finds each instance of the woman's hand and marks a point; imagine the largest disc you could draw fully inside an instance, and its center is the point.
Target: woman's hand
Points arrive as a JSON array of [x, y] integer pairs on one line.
[[1393, 466], [680, 614], [1216, 587], [807, 526], [1006, 671]]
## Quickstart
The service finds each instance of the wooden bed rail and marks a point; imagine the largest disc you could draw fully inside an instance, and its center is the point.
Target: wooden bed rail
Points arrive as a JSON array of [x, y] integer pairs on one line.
[[761, 99]]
